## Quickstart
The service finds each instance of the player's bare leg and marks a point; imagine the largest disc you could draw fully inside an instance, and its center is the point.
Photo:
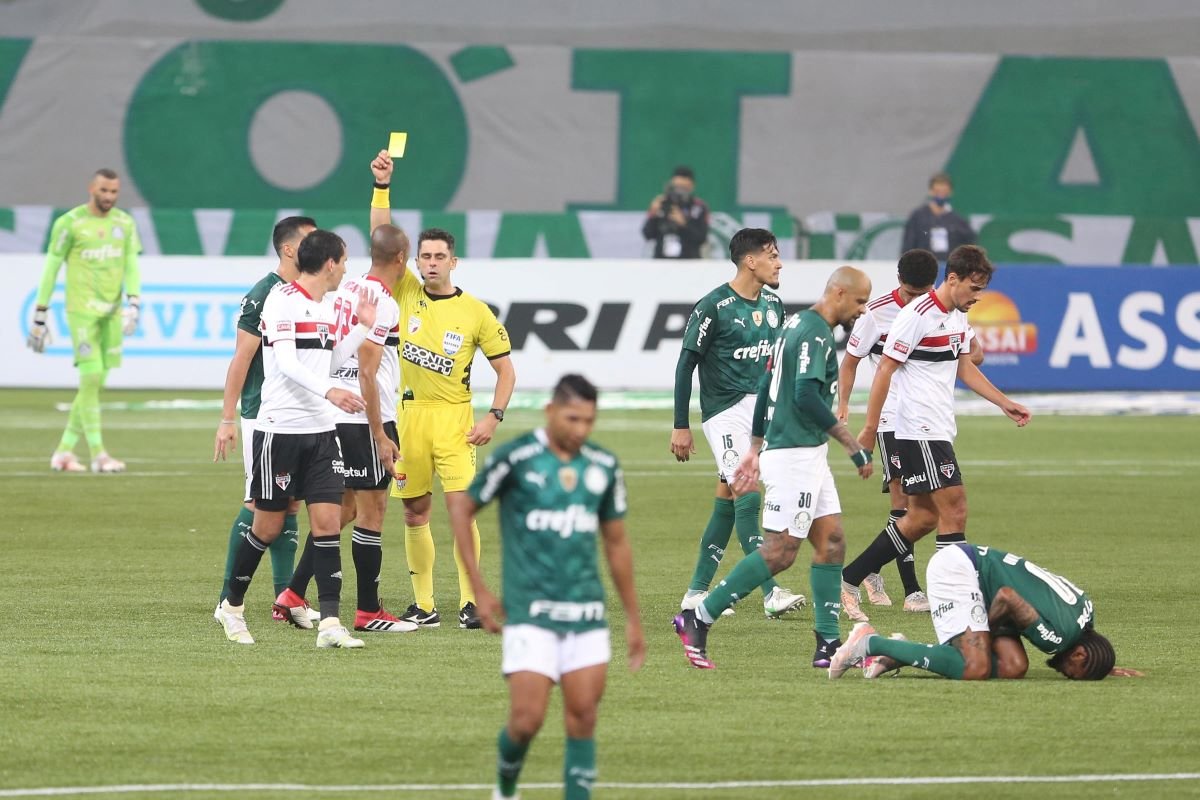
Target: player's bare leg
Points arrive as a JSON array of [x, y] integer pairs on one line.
[[529, 695]]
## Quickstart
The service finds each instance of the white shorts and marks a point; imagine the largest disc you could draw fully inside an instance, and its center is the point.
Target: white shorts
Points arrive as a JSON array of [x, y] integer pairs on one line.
[[799, 489], [247, 454], [954, 594], [531, 648], [728, 435]]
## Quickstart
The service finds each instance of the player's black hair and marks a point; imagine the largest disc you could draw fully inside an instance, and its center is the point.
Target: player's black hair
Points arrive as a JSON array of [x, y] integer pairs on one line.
[[1100, 655], [683, 171], [750, 240], [436, 234], [317, 248], [917, 268], [969, 261], [106, 173], [287, 229], [574, 386]]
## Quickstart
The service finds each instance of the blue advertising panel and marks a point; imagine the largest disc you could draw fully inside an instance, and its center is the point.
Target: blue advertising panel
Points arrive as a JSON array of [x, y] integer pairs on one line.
[[1056, 328]]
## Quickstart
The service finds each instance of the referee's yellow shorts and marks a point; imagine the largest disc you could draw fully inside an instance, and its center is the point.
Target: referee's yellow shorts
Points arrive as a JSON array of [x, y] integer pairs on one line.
[[433, 439]]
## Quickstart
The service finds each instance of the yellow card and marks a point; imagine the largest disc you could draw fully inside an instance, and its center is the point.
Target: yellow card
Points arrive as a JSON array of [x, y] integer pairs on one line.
[[396, 144]]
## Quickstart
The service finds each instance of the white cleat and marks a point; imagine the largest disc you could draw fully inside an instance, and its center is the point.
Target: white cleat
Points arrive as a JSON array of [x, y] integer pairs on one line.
[[66, 461], [694, 598], [852, 653], [234, 623], [917, 603], [497, 796], [103, 462], [876, 595], [334, 634], [217, 613], [852, 603], [780, 601], [878, 666], [313, 614]]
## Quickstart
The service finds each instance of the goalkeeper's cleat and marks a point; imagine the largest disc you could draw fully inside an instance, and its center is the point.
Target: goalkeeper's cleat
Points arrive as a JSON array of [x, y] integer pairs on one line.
[[694, 597], [693, 632], [780, 601], [917, 603], [334, 634], [852, 653], [876, 595], [294, 609], [852, 603], [877, 666], [66, 461], [825, 650], [103, 462], [381, 622], [234, 623]]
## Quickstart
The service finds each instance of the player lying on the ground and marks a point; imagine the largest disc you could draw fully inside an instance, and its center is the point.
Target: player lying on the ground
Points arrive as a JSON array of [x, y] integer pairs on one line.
[[983, 601]]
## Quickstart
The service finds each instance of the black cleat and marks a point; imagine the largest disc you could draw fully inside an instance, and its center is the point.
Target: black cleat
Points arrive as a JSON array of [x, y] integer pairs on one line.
[[468, 617], [825, 651], [693, 632], [421, 617]]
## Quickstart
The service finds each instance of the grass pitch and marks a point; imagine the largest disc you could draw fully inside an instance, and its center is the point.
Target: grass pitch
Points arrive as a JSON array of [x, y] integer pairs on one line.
[[112, 670]]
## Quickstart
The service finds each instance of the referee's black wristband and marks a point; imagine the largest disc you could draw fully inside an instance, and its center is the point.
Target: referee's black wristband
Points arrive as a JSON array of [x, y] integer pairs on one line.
[[861, 458], [379, 185]]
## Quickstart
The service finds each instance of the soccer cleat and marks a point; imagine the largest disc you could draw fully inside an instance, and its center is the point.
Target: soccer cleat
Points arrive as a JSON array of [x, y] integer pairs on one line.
[[381, 622], [917, 603], [66, 461], [693, 632], [234, 623], [468, 617], [852, 603], [852, 653], [877, 666], [334, 634], [780, 601], [422, 618], [294, 609], [875, 593], [497, 796], [824, 652], [276, 616], [103, 462], [694, 598], [217, 613]]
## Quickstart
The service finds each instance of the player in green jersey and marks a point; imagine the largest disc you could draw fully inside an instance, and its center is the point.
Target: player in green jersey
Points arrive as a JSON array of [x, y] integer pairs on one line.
[[729, 335], [793, 422], [244, 380], [984, 601], [99, 243], [558, 493]]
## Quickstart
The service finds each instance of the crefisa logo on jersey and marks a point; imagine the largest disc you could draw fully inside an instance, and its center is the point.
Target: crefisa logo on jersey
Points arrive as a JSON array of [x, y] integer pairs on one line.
[[452, 342]]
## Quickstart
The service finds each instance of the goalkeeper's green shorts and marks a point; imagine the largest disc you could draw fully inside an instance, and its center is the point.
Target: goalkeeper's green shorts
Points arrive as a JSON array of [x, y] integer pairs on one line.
[[97, 340]]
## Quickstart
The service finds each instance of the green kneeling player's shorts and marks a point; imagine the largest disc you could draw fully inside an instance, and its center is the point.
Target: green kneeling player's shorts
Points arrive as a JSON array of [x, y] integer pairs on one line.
[[97, 340]]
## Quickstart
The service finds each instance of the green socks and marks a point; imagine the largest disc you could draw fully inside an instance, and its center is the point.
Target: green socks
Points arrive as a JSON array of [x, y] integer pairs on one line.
[[283, 553], [826, 582], [510, 759], [241, 526], [712, 544], [85, 414], [745, 516], [940, 658], [750, 572], [579, 769]]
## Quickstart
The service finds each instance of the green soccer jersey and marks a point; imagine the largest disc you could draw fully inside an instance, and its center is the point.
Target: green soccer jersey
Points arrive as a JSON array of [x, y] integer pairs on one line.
[[1064, 610], [248, 319], [805, 352], [733, 337], [550, 515], [101, 255]]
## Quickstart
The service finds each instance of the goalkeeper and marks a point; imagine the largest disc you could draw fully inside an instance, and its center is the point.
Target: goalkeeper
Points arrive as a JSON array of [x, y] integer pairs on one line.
[[100, 245]]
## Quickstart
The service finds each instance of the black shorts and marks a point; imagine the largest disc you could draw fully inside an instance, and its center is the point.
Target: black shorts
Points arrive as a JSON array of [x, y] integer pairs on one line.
[[889, 458], [295, 465], [926, 466], [360, 456]]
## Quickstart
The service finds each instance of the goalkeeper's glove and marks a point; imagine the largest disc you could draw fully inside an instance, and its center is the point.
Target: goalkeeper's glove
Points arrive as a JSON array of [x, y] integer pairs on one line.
[[39, 334], [130, 315]]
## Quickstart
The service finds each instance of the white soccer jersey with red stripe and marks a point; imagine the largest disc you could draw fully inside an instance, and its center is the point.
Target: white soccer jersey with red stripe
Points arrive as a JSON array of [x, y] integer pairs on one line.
[[289, 313], [868, 339], [386, 333], [927, 338]]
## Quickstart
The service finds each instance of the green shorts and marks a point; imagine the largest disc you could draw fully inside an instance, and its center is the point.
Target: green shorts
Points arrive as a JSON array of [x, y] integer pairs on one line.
[[97, 340]]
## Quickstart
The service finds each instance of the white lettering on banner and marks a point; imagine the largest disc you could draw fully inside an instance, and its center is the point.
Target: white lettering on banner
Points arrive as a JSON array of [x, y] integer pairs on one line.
[[1187, 319], [1140, 317], [1145, 331], [1080, 334]]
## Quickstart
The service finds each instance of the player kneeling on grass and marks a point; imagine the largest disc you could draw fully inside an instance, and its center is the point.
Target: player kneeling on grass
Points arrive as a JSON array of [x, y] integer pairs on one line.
[[556, 492], [983, 601]]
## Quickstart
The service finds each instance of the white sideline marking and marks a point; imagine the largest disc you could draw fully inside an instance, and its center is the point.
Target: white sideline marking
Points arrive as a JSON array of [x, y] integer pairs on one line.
[[68, 791]]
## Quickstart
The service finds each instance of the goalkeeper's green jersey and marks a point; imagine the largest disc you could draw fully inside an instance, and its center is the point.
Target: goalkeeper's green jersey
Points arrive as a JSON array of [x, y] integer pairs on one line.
[[101, 255]]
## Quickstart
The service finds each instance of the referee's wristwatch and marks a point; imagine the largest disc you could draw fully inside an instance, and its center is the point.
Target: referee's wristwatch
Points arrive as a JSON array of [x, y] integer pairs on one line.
[[498, 413]]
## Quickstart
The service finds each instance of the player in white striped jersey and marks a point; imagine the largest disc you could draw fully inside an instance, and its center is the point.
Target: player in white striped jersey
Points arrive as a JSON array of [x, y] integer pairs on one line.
[[928, 347], [369, 442], [296, 452]]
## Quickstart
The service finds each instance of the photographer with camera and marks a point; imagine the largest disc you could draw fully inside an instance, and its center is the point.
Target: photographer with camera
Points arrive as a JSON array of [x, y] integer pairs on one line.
[[677, 220]]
